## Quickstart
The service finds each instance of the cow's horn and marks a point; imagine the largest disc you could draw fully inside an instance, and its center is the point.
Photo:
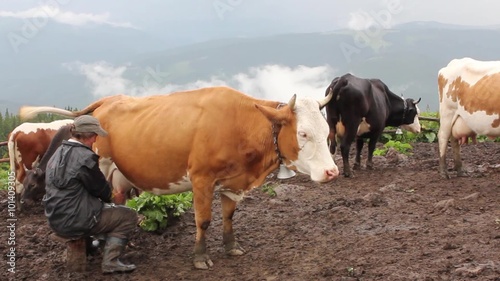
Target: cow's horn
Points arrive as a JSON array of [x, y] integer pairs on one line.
[[415, 102], [326, 99], [291, 103]]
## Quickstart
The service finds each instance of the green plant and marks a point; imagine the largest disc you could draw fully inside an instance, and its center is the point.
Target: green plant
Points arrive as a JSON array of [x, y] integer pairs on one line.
[[400, 147], [157, 209], [4, 176], [268, 189]]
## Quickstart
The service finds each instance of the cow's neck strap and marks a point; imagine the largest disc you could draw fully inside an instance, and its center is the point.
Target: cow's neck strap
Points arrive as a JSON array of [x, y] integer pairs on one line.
[[276, 130]]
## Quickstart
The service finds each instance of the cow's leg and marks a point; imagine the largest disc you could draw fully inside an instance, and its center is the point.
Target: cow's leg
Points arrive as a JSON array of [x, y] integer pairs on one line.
[[455, 148], [332, 136], [359, 148], [231, 246], [202, 199], [444, 134], [333, 141], [20, 174], [371, 147], [345, 146]]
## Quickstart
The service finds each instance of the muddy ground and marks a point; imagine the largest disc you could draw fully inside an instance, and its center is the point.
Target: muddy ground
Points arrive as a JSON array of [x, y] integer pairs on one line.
[[400, 221]]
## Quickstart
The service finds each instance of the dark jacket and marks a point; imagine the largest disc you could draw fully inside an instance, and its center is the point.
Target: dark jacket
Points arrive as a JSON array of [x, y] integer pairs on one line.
[[75, 190]]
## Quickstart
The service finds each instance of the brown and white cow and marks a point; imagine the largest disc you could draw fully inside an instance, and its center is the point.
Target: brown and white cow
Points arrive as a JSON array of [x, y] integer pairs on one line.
[[34, 180], [469, 105], [27, 144], [206, 140]]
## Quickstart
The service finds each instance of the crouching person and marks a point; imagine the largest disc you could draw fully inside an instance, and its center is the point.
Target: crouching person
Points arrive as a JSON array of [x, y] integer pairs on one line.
[[77, 194]]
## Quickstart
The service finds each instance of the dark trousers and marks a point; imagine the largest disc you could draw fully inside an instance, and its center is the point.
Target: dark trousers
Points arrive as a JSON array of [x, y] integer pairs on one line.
[[115, 221]]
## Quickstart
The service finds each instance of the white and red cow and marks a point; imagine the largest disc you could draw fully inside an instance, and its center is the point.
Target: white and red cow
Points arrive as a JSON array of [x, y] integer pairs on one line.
[[469, 105], [27, 144], [206, 140], [362, 108], [34, 180]]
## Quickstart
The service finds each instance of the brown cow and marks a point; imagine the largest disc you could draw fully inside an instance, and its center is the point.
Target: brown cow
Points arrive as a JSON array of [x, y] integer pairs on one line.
[[27, 143], [206, 140]]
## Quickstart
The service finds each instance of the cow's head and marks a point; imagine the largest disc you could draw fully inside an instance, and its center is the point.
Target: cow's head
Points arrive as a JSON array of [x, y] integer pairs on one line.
[[302, 139], [411, 122], [34, 186]]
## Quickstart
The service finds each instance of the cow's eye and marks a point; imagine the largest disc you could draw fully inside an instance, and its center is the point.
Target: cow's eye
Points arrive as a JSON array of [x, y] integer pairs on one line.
[[302, 134]]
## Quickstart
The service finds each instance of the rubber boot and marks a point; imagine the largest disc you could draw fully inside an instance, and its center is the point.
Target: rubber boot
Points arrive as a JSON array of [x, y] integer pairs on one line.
[[112, 251]]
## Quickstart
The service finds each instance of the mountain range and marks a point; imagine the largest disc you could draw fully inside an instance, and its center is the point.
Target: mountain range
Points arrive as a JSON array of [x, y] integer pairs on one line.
[[406, 57]]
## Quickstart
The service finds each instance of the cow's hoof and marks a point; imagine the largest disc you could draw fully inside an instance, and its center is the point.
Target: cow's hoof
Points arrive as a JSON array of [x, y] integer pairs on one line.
[[234, 249], [348, 175], [235, 252], [462, 174], [444, 175], [356, 166], [203, 262]]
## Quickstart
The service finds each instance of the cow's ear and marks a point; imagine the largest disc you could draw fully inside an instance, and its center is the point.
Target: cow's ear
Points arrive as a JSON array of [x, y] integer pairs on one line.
[[273, 114]]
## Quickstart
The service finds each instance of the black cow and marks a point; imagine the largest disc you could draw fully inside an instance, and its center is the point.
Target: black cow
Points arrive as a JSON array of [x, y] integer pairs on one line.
[[34, 181], [362, 108]]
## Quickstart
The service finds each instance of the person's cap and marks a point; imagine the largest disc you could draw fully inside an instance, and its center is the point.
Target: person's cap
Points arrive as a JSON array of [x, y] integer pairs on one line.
[[89, 124]]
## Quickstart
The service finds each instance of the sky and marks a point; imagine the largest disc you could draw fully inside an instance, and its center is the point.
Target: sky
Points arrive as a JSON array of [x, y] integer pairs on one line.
[[310, 15], [285, 15]]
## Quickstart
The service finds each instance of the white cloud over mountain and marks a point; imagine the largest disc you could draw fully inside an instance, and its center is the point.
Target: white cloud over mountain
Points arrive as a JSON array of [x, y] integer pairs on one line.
[[65, 17], [275, 82]]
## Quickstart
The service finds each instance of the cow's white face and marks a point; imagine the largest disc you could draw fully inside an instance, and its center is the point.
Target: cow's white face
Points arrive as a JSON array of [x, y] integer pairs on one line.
[[312, 132], [414, 127]]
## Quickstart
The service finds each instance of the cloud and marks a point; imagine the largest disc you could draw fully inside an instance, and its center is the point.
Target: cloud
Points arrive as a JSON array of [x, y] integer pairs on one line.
[[360, 20], [381, 15], [102, 77], [65, 17], [274, 82], [281, 82]]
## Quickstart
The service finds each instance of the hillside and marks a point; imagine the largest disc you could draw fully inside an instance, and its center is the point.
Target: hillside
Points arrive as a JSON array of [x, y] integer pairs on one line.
[[406, 57], [408, 61]]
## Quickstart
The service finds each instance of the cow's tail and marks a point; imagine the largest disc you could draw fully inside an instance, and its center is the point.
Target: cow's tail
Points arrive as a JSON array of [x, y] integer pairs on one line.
[[30, 112], [11, 146]]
